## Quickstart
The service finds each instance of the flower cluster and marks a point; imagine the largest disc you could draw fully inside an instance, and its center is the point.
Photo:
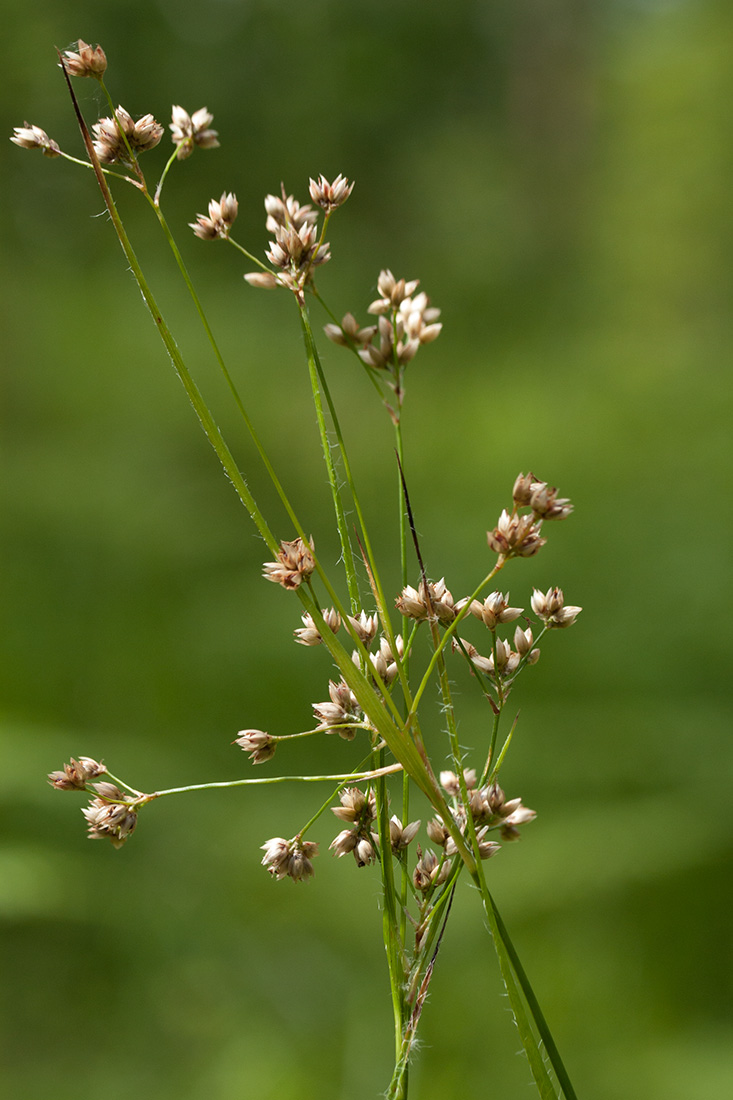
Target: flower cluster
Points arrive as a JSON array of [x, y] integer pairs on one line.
[[220, 219], [188, 131], [518, 534], [289, 858], [85, 60], [294, 564], [359, 809], [297, 248], [406, 322], [33, 137], [77, 774], [121, 139], [111, 815]]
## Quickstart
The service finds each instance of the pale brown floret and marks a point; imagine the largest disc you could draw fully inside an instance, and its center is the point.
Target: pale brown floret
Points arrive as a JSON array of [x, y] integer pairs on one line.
[[486, 848], [330, 195], [349, 333], [187, 131], [219, 220], [515, 536], [342, 715], [359, 843], [110, 145], [356, 806], [295, 563], [289, 858], [432, 602], [506, 662], [260, 745], [400, 835], [110, 816], [76, 774], [384, 664], [29, 136], [494, 610], [365, 627], [392, 292], [550, 607], [309, 634], [429, 870], [85, 60], [451, 785]]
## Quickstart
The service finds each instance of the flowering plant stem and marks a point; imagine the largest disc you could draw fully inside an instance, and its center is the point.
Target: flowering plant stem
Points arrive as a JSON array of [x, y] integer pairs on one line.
[[363, 700]]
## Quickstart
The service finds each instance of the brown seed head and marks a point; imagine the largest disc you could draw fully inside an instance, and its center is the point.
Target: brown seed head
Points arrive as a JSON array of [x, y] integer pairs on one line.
[[77, 774], [187, 131], [85, 61], [330, 195], [294, 563], [342, 714], [550, 607], [110, 816], [33, 137], [515, 536], [289, 858], [260, 746]]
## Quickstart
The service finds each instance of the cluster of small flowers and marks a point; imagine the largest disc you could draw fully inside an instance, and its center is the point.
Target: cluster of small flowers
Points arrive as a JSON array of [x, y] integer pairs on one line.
[[517, 535], [489, 809], [220, 219], [111, 815], [406, 321], [294, 564], [296, 248], [289, 858], [121, 139], [188, 131]]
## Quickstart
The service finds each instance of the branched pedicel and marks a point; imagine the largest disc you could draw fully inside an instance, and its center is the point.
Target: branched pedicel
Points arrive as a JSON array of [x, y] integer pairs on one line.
[[375, 697]]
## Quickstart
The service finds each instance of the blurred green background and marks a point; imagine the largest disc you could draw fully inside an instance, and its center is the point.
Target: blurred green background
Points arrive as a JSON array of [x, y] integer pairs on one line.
[[558, 175]]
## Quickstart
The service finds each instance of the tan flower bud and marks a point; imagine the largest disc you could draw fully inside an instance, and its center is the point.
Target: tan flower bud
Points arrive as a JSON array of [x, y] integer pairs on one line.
[[295, 563], [289, 858], [515, 536], [550, 607], [400, 836], [85, 61], [330, 195], [258, 744], [33, 137], [77, 774]]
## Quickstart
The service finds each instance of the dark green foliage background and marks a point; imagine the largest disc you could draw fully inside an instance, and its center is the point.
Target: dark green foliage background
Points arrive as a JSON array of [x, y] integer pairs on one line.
[[559, 176]]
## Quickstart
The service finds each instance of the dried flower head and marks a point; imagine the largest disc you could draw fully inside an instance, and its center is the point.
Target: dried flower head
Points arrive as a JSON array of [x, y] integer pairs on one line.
[[411, 322], [77, 774], [289, 858], [550, 607], [342, 714], [330, 195], [384, 662], [365, 627], [220, 219], [294, 563], [494, 610], [260, 746], [309, 634], [427, 602], [349, 334], [400, 835], [188, 131], [515, 536], [120, 139], [451, 785], [111, 815], [356, 806], [85, 60], [29, 136], [429, 870]]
